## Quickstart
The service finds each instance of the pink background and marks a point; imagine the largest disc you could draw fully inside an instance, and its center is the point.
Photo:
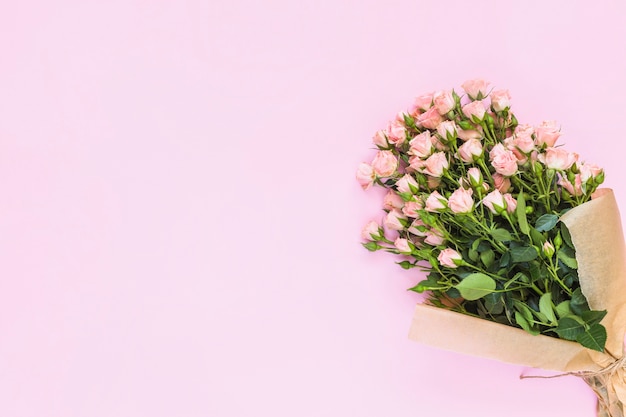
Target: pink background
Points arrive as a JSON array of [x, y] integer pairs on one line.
[[179, 221]]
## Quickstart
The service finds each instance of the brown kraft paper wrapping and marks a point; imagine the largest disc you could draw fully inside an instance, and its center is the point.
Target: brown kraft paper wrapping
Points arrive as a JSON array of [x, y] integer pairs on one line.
[[597, 235]]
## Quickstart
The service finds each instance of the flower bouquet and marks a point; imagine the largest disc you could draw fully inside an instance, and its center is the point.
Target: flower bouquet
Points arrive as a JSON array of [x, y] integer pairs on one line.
[[523, 253]]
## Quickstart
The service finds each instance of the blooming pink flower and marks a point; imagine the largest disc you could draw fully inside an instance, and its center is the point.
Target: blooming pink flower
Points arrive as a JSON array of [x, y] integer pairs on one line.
[[450, 258], [416, 163], [503, 160], [394, 219], [466, 135], [371, 231], [495, 202], [524, 130], [385, 163], [470, 151], [511, 202], [461, 201], [447, 130], [396, 133], [402, 245], [502, 183], [475, 177], [500, 100], [405, 184], [380, 139], [524, 143], [443, 101], [558, 158], [436, 164], [392, 201], [411, 208], [575, 189], [365, 175], [547, 133], [436, 202], [475, 111], [430, 119], [422, 103], [418, 228], [421, 145], [476, 89], [434, 237], [588, 171]]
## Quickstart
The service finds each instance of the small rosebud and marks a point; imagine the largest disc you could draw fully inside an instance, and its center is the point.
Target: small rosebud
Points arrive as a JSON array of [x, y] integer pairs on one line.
[[548, 249], [558, 241]]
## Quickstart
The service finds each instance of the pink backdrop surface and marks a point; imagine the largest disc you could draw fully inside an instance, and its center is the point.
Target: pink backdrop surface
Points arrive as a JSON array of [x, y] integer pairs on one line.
[[179, 220]]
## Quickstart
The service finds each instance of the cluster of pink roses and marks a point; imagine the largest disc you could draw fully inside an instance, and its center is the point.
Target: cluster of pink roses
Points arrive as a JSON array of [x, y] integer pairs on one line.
[[451, 155]]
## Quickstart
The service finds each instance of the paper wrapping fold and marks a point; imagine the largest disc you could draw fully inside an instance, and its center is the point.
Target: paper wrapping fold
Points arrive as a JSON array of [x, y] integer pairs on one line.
[[597, 235]]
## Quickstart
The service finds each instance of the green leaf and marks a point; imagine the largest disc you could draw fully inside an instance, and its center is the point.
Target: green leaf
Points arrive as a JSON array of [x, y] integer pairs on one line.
[[520, 211], [567, 256], [487, 257], [494, 303], [501, 235], [545, 306], [593, 338], [567, 238], [593, 316], [505, 260], [475, 286], [579, 302], [546, 222], [563, 309], [473, 255], [537, 237], [569, 328], [523, 254], [523, 309], [523, 323]]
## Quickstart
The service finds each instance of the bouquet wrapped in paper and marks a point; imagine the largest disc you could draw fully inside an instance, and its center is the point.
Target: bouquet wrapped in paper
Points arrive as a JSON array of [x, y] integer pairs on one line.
[[523, 253]]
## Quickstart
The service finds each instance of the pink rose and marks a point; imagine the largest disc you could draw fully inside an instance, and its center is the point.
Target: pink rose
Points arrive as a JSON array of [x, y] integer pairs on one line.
[[466, 135], [450, 258], [470, 151], [371, 231], [392, 201], [475, 177], [385, 163], [443, 101], [434, 237], [407, 184], [547, 133], [422, 103], [430, 119], [447, 130], [495, 202], [412, 208], [524, 130], [365, 175], [558, 158], [396, 133], [436, 164], [588, 171], [511, 202], [503, 160], [418, 228], [575, 189], [436, 202], [475, 111], [380, 139], [416, 163], [524, 143], [421, 145], [402, 245], [461, 201], [502, 183], [500, 100], [394, 220], [476, 89]]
